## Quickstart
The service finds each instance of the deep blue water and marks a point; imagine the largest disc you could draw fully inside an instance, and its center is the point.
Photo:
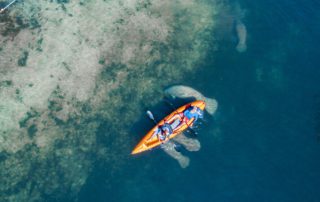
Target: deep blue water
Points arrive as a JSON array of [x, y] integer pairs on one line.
[[263, 143]]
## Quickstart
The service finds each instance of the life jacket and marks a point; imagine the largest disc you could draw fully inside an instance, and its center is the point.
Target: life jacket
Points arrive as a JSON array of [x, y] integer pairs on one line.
[[166, 126], [189, 115]]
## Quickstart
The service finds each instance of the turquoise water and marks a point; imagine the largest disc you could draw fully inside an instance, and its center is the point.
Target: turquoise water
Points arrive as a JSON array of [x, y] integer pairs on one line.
[[265, 145], [262, 144]]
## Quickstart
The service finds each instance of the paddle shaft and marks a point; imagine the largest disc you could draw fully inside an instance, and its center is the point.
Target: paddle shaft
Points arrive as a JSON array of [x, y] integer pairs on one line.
[[7, 6]]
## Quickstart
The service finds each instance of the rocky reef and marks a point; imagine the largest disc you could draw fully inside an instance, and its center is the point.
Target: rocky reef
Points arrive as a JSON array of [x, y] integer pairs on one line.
[[69, 68]]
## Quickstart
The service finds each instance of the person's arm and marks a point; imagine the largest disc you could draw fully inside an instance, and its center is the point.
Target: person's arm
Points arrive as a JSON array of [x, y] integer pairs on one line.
[[195, 116], [200, 112]]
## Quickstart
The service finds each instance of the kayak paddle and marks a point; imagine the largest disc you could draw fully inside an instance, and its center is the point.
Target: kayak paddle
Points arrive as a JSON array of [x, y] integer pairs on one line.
[[150, 115], [7, 6]]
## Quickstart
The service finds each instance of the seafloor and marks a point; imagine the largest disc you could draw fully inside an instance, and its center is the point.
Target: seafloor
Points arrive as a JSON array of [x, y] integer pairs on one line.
[[76, 77], [69, 68]]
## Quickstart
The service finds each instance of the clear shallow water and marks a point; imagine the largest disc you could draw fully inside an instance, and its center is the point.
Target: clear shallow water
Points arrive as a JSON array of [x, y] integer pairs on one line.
[[262, 143]]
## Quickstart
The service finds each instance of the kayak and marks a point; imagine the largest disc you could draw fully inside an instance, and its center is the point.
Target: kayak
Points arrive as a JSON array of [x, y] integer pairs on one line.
[[151, 140]]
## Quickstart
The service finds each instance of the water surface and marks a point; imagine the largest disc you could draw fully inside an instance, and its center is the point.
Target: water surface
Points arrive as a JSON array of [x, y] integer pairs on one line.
[[262, 144]]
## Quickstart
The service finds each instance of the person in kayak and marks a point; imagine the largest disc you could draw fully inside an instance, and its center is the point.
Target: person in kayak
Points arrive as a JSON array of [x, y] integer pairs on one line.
[[192, 112], [163, 132]]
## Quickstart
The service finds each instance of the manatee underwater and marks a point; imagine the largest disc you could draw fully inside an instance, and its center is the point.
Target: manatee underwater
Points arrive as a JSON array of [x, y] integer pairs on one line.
[[190, 144], [68, 68], [242, 36], [183, 92], [232, 26], [240, 28]]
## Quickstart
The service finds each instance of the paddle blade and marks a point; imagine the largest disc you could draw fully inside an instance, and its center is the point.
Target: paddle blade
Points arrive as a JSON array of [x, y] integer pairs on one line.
[[150, 115]]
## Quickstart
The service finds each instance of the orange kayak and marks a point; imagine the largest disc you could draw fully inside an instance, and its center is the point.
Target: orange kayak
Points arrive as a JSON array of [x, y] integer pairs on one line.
[[150, 140]]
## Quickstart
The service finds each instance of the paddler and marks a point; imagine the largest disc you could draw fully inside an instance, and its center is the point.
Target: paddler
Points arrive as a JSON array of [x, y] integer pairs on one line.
[[192, 112], [163, 132]]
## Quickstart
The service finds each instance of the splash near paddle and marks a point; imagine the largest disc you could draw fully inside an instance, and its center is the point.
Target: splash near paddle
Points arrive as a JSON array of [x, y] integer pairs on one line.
[[178, 123]]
